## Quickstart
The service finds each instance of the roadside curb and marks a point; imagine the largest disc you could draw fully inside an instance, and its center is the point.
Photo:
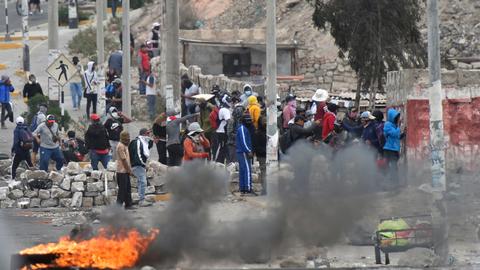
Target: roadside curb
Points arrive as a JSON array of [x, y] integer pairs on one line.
[[3, 66], [18, 38], [10, 45]]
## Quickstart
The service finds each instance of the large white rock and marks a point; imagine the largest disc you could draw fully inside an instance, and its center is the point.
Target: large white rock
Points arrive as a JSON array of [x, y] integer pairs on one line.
[[15, 194], [95, 187], [3, 193], [97, 175], [23, 203], [49, 203], [15, 185], [31, 193], [110, 176], [7, 203], [66, 183], [112, 166], [44, 194], [99, 200], [56, 177], [60, 193], [77, 200], [150, 190], [78, 186], [35, 202], [80, 178], [37, 174], [74, 168], [65, 202], [87, 202]]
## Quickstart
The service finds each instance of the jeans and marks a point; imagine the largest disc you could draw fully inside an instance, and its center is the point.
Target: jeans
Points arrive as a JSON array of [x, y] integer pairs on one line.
[[114, 9], [141, 175], [76, 91], [142, 87], [151, 102], [124, 190], [8, 108], [95, 158], [46, 154], [91, 102], [19, 157]]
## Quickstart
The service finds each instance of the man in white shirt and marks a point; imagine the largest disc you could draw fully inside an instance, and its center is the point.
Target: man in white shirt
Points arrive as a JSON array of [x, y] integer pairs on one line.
[[151, 92], [220, 149]]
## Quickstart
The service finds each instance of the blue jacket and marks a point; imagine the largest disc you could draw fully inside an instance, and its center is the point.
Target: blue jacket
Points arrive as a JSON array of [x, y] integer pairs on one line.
[[243, 140], [17, 148], [5, 92], [369, 134], [392, 132]]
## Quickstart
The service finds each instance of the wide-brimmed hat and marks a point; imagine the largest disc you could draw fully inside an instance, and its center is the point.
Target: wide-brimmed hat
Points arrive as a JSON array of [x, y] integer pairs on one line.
[[194, 128], [367, 115], [320, 95]]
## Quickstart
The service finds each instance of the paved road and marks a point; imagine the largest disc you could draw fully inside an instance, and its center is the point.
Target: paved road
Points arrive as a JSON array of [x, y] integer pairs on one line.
[[15, 21]]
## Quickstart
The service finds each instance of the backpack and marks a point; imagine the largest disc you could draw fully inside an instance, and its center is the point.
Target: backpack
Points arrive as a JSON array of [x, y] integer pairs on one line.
[[110, 90], [213, 118], [285, 141], [26, 139], [380, 135]]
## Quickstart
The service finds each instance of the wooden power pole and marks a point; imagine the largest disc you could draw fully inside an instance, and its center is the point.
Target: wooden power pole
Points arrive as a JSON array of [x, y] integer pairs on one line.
[[172, 57], [126, 93]]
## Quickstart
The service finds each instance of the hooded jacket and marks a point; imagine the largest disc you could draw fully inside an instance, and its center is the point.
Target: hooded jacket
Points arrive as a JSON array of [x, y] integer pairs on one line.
[[254, 110], [96, 137], [139, 150], [392, 132], [91, 79], [244, 140], [17, 148], [5, 92]]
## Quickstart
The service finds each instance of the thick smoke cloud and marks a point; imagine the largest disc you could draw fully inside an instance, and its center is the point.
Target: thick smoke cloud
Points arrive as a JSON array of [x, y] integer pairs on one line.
[[320, 195]]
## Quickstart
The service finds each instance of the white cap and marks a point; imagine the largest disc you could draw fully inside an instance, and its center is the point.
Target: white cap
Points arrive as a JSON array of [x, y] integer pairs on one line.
[[155, 24], [367, 115], [20, 120]]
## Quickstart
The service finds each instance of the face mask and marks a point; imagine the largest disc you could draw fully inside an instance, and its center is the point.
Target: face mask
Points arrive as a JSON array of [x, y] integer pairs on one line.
[[248, 93], [115, 115], [196, 137]]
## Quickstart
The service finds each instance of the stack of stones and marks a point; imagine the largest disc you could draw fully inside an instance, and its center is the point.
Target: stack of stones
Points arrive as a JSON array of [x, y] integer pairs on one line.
[[73, 187]]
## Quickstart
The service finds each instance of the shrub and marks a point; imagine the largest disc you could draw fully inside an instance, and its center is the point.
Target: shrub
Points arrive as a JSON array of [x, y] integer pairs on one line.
[[85, 43], [53, 108], [63, 15]]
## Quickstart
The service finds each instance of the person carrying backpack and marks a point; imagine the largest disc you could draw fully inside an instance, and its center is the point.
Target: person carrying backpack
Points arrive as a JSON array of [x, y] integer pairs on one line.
[[47, 134], [5, 89], [38, 118], [22, 144], [220, 150], [114, 126]]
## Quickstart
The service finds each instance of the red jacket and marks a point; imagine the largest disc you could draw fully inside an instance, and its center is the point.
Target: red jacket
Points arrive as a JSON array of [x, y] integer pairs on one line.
[[328, 124], [320, 111], [145, 61]]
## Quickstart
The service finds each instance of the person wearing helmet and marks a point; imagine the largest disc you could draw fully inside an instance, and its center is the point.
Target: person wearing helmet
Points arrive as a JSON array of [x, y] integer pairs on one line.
[[96, 140], [114, 126], [245, 153], [48, 137], [196, 145], [22, 143]]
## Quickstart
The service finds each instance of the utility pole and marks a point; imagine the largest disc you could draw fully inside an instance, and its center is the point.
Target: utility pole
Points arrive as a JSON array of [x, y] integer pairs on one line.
[[100, 55], [7, 31], [126, 93], [163, 45], [26, 49], [53, 51], [271, 95], [172, 58], [437, 138], [72, 14]]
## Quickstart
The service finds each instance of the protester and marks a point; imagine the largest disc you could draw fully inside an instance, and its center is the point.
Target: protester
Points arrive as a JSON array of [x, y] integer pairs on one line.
[[115, 62], [34, 6], [151, 92], [91, 87], [391, 149], [22, 144], [113, 95], [369, 134], [220, 149], [254, 110], [206, 108], [328, 128], [76, 84], [232, 127], [96, 139], [5, 89], [196, 145], [114, 126], [174, 145], [319, 99], [132, 42], [159, 130], [247, 92], [139, 150], [48, 137], [298, 131], [124, 171], [74, 148], [31, 88], [245, 154], [191, 89], [37, 119], [154, 38], [259, 142], [143, 68], [352, 125], [379, 125], [289, 111]]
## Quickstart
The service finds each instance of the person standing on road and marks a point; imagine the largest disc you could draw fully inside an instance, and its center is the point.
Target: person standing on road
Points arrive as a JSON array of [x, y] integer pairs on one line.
[[191, 89], [254, 110], [245, 154], [289, 111], [22, 143], [391, 149], [124, 171], [114, 126], [151, 92], [174, 146], [91, 87], [154, 39], [139, 150], [96, 140], [159, 130], [196, 146], [48, 137], [31, 88], [38, 118], [76, 84], [115, 62], [143, 68], [5, 89], [220, 149]]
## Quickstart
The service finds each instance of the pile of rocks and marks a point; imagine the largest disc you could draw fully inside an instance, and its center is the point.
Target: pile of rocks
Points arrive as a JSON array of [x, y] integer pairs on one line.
[[74, 187]]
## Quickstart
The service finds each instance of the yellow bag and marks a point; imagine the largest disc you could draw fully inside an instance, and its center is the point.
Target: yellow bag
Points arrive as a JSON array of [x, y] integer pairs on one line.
[[393, 238]]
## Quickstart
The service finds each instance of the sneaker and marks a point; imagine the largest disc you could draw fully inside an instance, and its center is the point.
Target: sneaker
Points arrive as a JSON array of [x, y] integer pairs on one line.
[[144, 203]]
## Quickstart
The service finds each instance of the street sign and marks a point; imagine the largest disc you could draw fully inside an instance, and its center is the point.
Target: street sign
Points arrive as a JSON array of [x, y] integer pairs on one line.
[[62, 70]]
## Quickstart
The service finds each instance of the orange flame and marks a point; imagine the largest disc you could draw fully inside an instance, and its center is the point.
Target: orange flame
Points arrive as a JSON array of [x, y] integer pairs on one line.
[[106, 251]]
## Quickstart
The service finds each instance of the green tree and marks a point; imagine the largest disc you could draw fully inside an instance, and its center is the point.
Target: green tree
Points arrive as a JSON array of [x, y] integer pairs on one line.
[[376, 36]]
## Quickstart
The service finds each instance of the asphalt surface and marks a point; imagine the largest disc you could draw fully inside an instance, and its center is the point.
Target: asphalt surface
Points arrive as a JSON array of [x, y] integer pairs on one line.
[[15, 21]]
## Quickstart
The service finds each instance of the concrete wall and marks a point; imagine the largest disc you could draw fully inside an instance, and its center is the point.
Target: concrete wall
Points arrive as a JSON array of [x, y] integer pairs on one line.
[[407, 90], [210, 58]]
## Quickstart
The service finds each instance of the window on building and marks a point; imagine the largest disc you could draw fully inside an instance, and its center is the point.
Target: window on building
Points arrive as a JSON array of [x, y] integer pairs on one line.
[[236, 64]]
